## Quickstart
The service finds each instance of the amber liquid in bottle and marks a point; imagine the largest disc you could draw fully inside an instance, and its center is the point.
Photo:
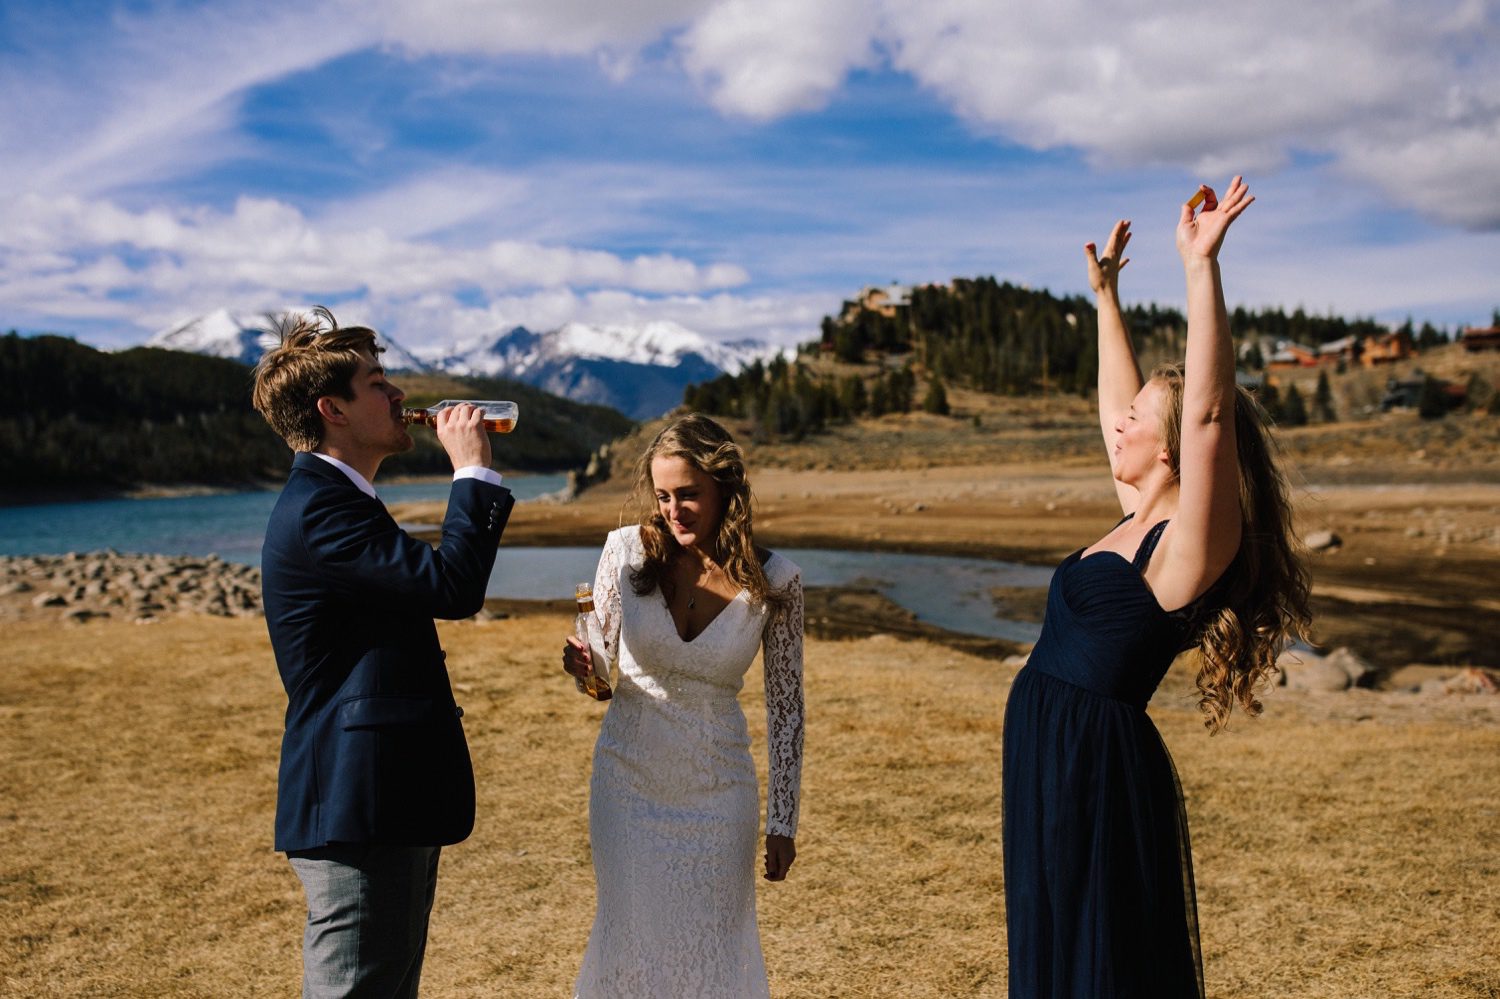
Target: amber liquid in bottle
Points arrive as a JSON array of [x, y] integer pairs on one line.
[[586, 626], [500, 426], [499, 417]]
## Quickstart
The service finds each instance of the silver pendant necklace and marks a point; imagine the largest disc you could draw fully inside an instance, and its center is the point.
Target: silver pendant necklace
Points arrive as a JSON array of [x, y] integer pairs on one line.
[[692, 594]]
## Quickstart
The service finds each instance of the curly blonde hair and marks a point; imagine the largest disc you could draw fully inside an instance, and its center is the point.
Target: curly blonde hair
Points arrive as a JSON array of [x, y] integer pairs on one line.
[[1262, 602], [708, 447]]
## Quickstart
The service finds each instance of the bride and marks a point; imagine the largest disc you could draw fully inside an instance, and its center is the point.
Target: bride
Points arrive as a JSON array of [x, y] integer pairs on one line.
[[686, 600]]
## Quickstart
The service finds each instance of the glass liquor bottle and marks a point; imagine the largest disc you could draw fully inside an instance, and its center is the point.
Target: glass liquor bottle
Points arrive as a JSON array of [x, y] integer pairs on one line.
[[586, 627], [499, 417]]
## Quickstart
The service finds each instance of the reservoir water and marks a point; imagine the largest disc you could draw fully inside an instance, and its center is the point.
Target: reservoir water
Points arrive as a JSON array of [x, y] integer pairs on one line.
[[230, 525], [949, 592]]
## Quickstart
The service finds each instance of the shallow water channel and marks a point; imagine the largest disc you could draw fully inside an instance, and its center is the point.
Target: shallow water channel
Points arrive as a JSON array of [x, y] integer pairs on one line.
[[947, 591]]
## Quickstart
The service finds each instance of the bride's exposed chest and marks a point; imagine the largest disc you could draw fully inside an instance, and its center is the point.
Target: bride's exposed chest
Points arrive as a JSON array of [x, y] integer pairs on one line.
[[721, 652]]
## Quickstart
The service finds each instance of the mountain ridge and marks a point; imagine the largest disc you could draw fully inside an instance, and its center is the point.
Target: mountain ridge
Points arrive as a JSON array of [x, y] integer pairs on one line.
[[244, 338], [639, 369]]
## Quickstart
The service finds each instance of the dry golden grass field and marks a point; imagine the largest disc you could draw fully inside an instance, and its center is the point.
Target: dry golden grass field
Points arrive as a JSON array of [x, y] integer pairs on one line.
[[1345, 844]]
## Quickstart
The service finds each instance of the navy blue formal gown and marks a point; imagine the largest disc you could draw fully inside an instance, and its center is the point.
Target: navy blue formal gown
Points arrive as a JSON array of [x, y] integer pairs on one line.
[[1098, 873]]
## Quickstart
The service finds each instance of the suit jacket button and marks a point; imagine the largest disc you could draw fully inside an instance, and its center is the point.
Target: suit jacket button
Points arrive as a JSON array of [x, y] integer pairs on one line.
[[458, 712]]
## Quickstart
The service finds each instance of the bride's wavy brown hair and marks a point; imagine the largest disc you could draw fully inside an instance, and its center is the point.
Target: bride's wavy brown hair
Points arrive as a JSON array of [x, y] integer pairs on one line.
[[706, 446], [1263, 597]]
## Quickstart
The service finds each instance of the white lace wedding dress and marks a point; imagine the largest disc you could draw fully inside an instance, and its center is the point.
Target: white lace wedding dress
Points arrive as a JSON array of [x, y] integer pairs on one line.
[[673, 801]]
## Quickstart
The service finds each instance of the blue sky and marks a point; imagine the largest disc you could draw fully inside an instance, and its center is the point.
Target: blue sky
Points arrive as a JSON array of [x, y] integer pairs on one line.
[[446, 170]]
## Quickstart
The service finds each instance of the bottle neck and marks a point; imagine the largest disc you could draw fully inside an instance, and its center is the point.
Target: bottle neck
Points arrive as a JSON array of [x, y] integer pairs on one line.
[[586, 606]]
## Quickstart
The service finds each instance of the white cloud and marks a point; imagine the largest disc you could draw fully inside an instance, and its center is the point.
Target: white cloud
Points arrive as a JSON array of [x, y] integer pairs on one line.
[[1404, 96], [446, 324], [766, 58], [781, 319], [432, 202], [66, 254], [1451, 175]]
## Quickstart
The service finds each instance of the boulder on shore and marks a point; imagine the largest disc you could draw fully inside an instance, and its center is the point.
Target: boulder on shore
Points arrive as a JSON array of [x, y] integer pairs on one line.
[[1340, 669], [1322, 541]]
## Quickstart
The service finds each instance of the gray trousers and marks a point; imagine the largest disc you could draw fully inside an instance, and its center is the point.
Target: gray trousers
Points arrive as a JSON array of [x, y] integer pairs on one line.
[[367, 909]]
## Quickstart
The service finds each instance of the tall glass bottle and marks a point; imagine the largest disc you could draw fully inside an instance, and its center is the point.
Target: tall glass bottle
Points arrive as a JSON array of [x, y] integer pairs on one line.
[[586, 627], [499, 417]]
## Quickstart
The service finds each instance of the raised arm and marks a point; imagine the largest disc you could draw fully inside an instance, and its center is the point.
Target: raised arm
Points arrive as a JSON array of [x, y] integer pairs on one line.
[[1119, 372], [360, 551], [1206, 530]]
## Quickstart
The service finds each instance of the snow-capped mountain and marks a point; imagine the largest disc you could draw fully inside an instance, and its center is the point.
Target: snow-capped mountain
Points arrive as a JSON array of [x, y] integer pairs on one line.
[[242, 338], [639, 370]]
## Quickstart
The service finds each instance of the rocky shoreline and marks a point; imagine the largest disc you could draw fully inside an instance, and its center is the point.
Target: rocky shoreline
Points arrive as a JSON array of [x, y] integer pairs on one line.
[[79, 587]]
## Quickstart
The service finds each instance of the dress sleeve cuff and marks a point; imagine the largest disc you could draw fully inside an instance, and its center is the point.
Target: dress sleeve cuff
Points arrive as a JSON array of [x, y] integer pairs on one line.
[[479, 472]]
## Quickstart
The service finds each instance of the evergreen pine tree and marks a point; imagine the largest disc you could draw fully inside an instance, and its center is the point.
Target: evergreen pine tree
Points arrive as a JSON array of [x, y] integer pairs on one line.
[[1479, 393], [900, 394], [852, 396], [1270, 400], [1430, 403], [846, 345], [1323, 400], [1293, 409], [936, 400]]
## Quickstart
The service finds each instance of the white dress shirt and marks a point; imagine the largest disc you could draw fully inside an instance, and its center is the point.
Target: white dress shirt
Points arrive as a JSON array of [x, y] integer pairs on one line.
[[479, 472]]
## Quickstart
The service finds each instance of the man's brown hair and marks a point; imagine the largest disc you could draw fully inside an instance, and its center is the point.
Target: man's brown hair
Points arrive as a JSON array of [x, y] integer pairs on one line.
[[314, 358]]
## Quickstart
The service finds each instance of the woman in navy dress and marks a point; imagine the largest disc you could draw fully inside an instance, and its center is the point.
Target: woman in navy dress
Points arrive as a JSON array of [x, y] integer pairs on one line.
[[1098, 872]]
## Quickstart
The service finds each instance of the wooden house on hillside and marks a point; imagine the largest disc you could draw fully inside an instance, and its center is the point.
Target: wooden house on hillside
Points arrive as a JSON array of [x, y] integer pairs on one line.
[[1343, 351], [885, 300], [1387, 348], [1347, 351], [1290, 355], [1477, 338]]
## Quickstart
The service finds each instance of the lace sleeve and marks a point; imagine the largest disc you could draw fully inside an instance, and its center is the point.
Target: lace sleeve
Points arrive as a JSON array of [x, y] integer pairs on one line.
[[782, 645], [607, 598]]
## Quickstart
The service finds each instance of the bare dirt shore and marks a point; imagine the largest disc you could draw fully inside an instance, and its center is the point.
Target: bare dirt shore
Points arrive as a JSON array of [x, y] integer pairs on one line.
[[1411, 579]]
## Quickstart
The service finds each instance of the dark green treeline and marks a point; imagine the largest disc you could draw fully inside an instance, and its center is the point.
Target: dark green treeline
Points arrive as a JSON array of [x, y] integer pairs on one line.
[[75, 419]]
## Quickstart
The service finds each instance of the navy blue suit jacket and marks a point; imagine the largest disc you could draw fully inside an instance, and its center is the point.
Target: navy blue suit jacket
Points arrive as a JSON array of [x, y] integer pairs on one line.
[[374, 751]]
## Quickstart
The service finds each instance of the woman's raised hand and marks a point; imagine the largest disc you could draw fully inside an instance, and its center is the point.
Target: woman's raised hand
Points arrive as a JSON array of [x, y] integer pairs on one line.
[[1203, 234], [1104, 272]]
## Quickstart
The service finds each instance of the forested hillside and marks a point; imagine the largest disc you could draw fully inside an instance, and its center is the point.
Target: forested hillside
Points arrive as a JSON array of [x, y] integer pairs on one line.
[[980, 334], [75, 419]]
